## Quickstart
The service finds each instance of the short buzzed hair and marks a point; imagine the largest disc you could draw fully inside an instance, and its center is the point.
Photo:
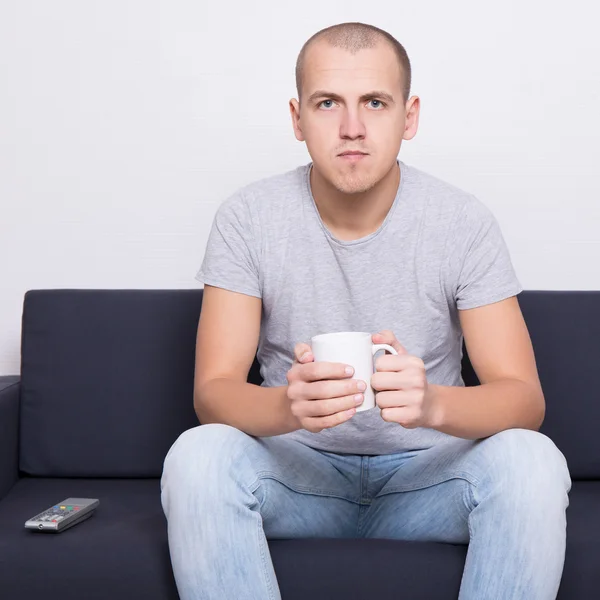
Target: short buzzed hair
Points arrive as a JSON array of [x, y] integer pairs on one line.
[[355, 37]]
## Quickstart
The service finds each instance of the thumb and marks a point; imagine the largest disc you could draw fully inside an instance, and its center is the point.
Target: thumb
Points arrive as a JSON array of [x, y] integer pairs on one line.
[[303, 353]]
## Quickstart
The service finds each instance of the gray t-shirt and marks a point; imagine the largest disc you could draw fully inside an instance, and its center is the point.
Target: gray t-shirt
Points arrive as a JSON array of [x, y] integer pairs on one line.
[[438, 250]]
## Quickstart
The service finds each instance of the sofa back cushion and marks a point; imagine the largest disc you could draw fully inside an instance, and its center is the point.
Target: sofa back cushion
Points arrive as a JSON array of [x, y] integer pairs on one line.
[[107, 377], [565, 332], [107, 380]]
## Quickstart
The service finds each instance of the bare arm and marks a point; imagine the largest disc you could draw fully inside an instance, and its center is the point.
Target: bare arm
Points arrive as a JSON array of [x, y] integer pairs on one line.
[[318, 395], [228, 333], [510, 394]]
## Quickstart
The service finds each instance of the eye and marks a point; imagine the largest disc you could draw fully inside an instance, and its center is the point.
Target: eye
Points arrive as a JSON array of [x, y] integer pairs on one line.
[[378, 101], [324, 101]]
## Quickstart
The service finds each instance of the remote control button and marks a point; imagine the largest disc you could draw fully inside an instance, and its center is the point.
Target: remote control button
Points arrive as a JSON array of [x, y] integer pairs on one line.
[[63, 507], [76, 507], [69, 508]]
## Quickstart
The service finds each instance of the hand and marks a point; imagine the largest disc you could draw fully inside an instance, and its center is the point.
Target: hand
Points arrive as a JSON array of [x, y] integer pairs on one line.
[[401, 382], [321, 394]]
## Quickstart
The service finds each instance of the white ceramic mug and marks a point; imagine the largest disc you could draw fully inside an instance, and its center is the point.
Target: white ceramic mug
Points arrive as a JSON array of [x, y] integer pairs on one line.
[[354, 348]]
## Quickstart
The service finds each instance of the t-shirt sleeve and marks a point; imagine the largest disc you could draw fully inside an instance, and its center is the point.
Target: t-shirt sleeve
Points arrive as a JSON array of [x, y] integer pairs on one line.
[[484, 270], [231, 257]]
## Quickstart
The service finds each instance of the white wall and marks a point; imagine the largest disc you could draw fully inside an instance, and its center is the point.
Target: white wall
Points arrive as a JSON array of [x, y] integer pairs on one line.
[[124, 124]]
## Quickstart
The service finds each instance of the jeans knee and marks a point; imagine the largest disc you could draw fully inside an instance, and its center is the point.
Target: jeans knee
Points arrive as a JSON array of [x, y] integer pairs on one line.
[[530, 468], [204, 456]]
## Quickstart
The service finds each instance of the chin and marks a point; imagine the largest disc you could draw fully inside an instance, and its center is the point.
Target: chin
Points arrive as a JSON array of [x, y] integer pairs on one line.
[[354, 184]]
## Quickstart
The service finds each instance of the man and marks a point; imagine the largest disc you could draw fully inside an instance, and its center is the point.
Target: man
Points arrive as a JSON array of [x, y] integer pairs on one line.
[[359, 241]]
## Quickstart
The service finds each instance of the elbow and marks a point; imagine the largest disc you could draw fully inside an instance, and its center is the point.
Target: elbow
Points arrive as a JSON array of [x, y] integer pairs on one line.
[[200, 406], [539, 408], [541, 416], [530, 409], [205, 401]]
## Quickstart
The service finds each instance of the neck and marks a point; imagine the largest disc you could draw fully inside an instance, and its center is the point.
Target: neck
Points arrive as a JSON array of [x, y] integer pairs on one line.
[[352, 216]]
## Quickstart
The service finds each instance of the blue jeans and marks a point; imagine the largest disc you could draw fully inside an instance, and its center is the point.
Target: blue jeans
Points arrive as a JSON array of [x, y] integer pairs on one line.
[[225, 492]]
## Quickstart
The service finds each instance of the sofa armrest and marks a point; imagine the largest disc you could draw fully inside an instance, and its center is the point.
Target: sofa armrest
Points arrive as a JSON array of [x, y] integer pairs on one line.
[[10, 387]]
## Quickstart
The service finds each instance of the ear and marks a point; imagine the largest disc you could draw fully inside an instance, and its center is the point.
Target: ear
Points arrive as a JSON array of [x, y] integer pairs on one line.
[[413, 108], [295, 113]]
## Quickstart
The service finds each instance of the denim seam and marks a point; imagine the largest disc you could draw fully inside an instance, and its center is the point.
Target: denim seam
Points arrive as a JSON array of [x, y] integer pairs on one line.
[[302, 489], [361, 507], [474, 504], [430, 482], [462, 501], [255, 487], [261, 539], [362, 477], [362, 512], [261, 545], [364, 480]]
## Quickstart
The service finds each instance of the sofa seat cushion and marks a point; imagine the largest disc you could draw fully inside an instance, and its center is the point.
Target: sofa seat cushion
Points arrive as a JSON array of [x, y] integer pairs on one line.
[[122, 552]]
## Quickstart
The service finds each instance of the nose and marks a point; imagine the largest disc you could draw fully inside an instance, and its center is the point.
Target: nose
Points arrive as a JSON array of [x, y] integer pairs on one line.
[[352, 126]]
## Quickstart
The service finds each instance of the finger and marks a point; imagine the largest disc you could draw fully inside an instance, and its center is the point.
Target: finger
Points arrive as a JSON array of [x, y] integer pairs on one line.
[[404, 416], [325, 390], [390, 381], [397, 399], [386, 381], [394, 415], [303, 353], [317, 424], [387, 337], [322, 370], [329, 406], [391, 362]]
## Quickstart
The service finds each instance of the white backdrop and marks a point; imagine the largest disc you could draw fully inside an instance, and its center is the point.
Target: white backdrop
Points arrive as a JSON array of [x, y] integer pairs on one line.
[[124, 124]]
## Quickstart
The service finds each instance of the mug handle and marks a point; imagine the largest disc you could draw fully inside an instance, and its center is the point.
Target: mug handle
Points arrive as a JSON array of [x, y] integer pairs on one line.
[[378, 347]]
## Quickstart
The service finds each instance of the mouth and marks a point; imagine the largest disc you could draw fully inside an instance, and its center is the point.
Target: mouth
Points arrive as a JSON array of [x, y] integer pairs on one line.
[[352, 155]]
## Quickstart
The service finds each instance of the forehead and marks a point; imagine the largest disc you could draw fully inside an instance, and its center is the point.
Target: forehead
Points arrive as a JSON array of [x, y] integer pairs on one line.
[[336, 69]]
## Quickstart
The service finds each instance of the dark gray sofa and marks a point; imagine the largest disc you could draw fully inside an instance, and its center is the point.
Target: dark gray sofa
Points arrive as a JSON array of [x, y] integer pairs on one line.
[[106, 387]]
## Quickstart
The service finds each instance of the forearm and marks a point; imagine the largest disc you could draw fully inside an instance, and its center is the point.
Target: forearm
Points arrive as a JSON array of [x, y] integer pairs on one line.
[[258, 411], [483, 410]]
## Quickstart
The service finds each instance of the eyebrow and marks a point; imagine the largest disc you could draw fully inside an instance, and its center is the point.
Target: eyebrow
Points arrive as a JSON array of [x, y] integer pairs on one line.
[[369, 96]]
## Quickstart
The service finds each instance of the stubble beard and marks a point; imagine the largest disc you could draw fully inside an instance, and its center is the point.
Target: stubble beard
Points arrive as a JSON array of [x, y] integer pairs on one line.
[[354, 183]]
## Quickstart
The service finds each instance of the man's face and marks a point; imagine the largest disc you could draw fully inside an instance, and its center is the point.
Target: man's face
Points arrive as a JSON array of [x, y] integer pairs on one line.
[[353, 102]]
